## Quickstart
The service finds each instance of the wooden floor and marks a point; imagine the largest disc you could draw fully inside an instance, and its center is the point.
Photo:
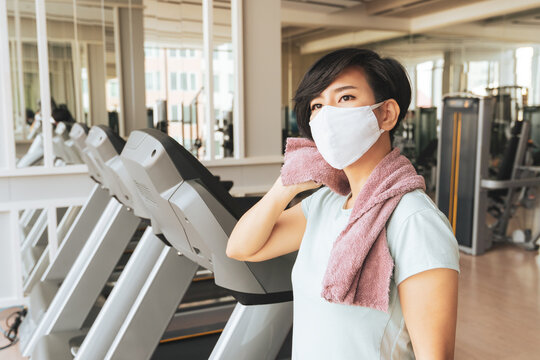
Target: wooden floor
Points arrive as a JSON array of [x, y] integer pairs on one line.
[[499, 307]]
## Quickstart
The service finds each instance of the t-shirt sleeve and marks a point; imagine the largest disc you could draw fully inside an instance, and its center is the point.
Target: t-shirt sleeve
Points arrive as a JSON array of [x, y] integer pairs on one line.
[[306, 203], [423, 242]]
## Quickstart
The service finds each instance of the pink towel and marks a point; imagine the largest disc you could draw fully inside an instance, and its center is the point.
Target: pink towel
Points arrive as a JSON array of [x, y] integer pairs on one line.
[[303, 162], [360, 266]]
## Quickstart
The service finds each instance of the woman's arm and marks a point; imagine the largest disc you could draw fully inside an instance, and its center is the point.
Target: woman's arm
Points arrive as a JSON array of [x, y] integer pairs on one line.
[[429, 304], [267, 231]]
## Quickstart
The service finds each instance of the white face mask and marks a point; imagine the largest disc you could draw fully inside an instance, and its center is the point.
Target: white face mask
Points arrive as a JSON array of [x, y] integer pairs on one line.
[[344, 134]]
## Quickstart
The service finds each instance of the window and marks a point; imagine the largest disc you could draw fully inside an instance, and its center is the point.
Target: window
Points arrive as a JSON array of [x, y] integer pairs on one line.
[[183, 81], [151, 52], [424, 77], [216, 83], [524, 56], [478, 76], [172, 52], [173, 76], [216, 54], [174, 113], [113, 87], [149, 81], [231, 83], [493, 74], [187, 53], [157, 83], [193, 81]]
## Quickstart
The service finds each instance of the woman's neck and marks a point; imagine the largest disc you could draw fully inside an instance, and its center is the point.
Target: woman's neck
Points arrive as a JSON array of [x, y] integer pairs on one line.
[[358, 172]]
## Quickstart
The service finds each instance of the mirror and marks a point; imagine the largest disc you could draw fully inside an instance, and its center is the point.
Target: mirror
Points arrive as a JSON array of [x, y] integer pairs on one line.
[[25, 82], [224, 84], [174, 73]]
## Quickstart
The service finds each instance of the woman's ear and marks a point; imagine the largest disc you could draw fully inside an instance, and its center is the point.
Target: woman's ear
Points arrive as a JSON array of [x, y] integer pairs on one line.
[[388, 114]]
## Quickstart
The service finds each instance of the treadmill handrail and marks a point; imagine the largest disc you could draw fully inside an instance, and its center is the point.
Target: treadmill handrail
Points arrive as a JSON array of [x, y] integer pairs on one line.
[[191, 168]]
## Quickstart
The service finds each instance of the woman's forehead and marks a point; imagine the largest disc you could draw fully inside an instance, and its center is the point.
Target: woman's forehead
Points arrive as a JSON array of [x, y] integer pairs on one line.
[[351, 75]]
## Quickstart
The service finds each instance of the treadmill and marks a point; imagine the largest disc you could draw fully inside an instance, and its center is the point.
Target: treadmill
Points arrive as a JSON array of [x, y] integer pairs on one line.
[[63, 327], [190, 211], [85, 260]]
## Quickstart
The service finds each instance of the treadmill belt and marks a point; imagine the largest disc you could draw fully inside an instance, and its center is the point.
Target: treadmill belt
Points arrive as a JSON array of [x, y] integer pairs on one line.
[[191, 348]]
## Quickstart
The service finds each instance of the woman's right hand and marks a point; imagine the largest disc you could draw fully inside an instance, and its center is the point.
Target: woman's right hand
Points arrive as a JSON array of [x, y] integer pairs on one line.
[[296, 189]]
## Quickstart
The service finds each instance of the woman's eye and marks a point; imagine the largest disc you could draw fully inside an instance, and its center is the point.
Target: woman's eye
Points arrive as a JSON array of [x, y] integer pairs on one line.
[[315, 106], [347, 97]]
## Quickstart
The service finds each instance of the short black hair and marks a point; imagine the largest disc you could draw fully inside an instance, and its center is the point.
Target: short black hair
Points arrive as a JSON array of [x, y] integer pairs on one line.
[[386, 77]]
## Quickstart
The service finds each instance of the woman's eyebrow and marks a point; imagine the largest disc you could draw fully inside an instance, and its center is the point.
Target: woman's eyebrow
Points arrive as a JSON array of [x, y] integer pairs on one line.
[[347, 87]]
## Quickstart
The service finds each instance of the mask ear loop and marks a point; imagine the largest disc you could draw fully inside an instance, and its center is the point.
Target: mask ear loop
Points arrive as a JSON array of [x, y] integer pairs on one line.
[[375, 106]]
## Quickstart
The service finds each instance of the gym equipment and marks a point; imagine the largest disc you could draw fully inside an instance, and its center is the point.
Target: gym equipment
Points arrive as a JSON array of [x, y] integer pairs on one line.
[[509, 101], [34, 155], [68, 318], [34, 247], [191, 210], [466, 192], [425, 145], [195, 215], [531, 114], [145, 283], [63, 149], [87, 256]]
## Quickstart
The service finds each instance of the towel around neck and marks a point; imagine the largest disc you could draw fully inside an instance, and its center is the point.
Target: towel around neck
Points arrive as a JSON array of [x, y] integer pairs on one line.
[[360, 266]]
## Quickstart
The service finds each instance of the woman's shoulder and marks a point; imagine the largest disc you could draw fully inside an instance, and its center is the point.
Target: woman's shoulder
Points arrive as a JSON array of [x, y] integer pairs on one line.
[[416, 209], [420, 237], [414, 201]]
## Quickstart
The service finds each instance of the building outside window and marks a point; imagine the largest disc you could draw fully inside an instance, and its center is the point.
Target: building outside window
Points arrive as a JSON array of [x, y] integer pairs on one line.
[[216, 83], [193, 81], [173, 80], [157, 80], [174, 113], [183, 81], [148, 77]]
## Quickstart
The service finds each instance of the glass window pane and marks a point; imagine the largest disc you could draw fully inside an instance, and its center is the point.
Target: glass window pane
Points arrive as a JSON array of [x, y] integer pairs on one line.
[[148, 80], [524, 57], [424, 84], [183, 81], [158, 80], [181, 69], [193, 81], [216, 84], [173, 80], [478, 77], [231, 83], [25, 83]]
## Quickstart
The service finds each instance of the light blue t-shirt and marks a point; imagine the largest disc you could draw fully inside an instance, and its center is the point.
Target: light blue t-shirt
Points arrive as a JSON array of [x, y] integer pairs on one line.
[[419, 238]]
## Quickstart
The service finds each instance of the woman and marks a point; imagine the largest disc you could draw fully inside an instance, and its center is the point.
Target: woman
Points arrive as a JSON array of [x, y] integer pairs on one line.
[[421, 318]]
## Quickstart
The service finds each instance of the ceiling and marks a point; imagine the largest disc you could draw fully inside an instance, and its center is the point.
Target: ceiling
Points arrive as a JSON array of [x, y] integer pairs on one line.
[[321, 27]]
